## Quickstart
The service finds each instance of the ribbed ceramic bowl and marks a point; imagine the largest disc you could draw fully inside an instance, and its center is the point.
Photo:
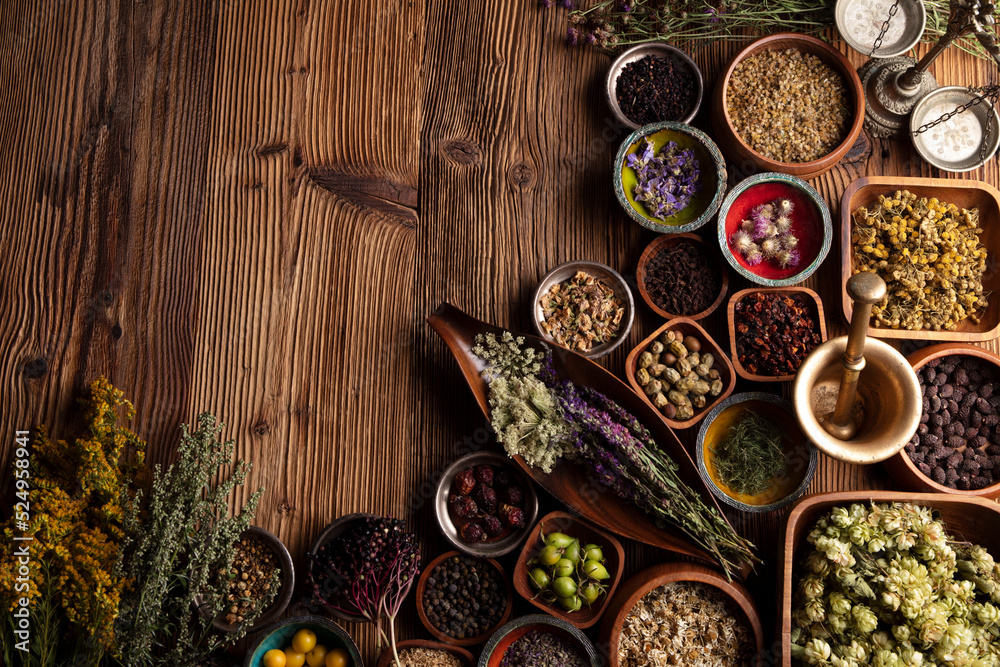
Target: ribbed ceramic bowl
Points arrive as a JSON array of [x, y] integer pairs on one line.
[[321, 587], [449, 524], [602, 272], [800, 456], [279, 636], [658, 50], [811, 225], [901, 467], [703, 205], [501, 640]]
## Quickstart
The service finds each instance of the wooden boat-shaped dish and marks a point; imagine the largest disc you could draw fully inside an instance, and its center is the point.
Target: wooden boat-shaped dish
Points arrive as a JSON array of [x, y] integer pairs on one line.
[[569, 482], [965, 517]]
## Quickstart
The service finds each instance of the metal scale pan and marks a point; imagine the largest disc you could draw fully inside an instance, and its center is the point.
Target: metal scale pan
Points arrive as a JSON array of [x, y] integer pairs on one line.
[[859, 23]]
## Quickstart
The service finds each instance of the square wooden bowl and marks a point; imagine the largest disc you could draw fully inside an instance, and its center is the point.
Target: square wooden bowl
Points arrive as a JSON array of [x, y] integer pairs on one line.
[[963, 194], [686, 327], [810, 296], [965, 517], [562, 522]]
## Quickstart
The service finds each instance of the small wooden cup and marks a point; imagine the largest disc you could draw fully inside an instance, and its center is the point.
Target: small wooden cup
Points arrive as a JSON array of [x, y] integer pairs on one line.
[[899, 466], [386, 659], [965, 517], [574, 527], [686, 327], [661, 244], [639, 585], [448, 639], [811, 297]]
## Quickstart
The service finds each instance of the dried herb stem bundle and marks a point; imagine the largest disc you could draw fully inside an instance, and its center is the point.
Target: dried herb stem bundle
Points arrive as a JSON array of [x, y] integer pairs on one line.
[[751, 455]]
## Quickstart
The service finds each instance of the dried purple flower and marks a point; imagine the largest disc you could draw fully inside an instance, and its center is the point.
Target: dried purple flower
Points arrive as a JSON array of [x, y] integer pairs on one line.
[[784, 206], [572, 36], [788, 258], [770, 247], [747, 226], [789, 242], [741, 242], [754, 256], [666, 180], [783, 223]]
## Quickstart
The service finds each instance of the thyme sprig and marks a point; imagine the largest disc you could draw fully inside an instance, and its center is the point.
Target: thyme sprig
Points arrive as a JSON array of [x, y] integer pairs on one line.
[[751, 454]]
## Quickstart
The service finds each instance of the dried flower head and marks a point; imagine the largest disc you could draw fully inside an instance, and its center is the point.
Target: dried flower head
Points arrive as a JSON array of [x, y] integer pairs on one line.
[[784, 206], [789, 241], [788, 258], [747, 226], [770, 247], [783, 223], [765, 210], [754, 256], [741, 242]]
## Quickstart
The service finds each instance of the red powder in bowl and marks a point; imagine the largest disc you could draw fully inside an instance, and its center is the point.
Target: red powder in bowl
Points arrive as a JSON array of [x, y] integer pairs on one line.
[[807, 226]]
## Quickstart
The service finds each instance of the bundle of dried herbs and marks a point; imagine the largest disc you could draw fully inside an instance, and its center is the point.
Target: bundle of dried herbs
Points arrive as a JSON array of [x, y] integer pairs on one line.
[[175, 546], [751, 455], [886, 585], [619, 453], [931, 257]]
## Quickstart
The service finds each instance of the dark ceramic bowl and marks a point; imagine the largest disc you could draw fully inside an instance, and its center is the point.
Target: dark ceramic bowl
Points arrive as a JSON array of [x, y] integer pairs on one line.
[[449, 526], [284, 595], [502, 639], [333, 530], [279, 636]]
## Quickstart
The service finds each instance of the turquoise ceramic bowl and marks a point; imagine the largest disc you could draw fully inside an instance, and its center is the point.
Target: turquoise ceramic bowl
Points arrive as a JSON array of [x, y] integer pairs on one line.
[[280, 635], [703, 206], [811, 224]]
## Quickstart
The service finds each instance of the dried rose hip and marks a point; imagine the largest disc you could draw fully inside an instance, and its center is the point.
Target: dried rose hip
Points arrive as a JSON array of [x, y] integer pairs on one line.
[[493, 526], [473, 532], [514, 495], [502, 478], [465, 507], [484, 475], [486, 498], [512, 516], [465, 482]]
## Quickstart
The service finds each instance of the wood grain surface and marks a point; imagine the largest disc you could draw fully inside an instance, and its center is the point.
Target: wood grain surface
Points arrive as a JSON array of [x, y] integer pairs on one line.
[[251, 207]]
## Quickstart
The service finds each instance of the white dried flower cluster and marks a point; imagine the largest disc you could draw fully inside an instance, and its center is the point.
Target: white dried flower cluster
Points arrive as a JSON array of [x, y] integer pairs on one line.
[[885, 585], [685, 623]]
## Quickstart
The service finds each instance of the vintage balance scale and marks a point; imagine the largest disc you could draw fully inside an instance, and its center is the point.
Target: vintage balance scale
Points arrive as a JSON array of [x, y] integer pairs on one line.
[[949, 126]]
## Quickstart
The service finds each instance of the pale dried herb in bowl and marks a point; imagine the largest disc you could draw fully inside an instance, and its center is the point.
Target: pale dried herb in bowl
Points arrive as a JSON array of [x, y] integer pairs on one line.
[[582, 312]]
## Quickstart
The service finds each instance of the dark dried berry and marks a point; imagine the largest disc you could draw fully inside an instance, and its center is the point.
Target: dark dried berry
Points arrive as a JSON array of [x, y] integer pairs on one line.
[[961, 377], [512, 516], [940, 451], [979, 442], [945, 390], [976, 419], [465, 482], [969, 400], [958, 395], [969, 453], [986, 391], [931, 391], [954, 460], [963, 413], [987, 475], [911, 446], [502, 478], [952, 406], [937, 419], [957, 428], [951, 476], [993, 450], [972, 467], [978, 482], [922, 429], [948, 367], [963, 482], [938, 475], [514, 495], [938, 432], [924, 468], [486, 497], [934, 405], [985, 462], [917, 457], [925, 416], [991, 420], [928, 375], [939, 379], [984, 406], [484, 474], [493, 525], [473, 532], [465, 507], [946, 417]]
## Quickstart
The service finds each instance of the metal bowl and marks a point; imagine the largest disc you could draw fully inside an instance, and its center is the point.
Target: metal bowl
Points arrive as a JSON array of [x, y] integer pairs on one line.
[[611, 278], [859, 22], [450, 530], [501, 640], [801, 456], [641, 51], [955, 144]]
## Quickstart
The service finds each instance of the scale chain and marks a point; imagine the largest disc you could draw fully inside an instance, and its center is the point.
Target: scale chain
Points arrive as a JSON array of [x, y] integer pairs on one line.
[[885, 28], [982, 93]]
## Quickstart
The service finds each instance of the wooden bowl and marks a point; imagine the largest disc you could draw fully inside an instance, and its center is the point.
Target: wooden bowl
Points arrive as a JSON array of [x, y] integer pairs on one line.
[[810, 297], [642, 583], [800, 456], [468, 641], [570, 482], [321, 589], [900, 467], [610, 277], [686, 327], [280, 635], [660, 244], [965, 517], [713, 177], [963, 194], [501, 640], [281, 599], [386, 659], [814, 229], [507, 541], [574, 527], [740, 153]]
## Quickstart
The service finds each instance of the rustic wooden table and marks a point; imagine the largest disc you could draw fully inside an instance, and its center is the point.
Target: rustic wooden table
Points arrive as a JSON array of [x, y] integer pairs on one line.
[[250, 208]]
